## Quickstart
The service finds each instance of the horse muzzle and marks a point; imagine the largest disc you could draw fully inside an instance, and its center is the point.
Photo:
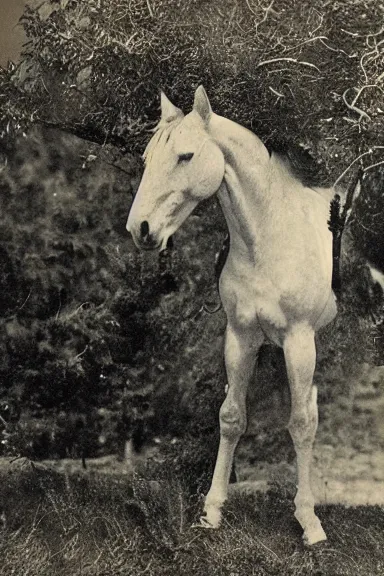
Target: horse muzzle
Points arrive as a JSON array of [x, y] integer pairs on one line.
[[143, 237]]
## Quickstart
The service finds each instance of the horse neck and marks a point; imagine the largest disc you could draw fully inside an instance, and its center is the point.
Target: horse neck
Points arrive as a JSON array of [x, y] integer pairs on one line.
[[244, 195]]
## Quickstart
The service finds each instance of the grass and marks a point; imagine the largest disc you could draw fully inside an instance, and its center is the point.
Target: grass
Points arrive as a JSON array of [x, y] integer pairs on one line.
[[103, 525]]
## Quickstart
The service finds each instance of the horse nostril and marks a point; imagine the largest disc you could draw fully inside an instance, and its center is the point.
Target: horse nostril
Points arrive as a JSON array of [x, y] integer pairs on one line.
[[144, 229], [170, 243]]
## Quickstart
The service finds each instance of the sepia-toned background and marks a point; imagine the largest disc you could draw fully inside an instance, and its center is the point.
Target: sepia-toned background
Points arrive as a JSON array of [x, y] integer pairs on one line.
[[110, 364]]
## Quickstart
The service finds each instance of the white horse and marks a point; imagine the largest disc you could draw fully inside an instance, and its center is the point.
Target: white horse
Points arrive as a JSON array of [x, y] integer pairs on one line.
[[276, 283]]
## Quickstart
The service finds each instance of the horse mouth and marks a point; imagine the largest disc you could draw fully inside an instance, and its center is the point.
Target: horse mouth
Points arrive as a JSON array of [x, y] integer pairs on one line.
[[161, 246], [168, 245], [149, 247]]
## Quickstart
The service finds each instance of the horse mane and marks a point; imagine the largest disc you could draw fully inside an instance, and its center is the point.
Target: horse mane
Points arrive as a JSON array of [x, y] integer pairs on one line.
[[303, 166], [161, 132]]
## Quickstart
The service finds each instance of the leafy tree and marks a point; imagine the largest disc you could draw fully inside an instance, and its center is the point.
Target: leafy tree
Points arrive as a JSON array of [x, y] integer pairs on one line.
[[94, 336], [303, 73]]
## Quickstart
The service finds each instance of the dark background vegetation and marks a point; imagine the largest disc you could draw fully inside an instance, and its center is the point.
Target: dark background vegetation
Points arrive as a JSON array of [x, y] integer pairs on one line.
[[100, 343]]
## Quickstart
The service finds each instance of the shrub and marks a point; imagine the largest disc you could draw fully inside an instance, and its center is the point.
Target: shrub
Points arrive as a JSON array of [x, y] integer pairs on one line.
[[95, 336], [292, 73]]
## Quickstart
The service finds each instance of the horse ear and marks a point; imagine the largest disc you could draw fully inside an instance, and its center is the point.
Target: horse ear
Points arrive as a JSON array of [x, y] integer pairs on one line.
[[168, 110], [202, 105]]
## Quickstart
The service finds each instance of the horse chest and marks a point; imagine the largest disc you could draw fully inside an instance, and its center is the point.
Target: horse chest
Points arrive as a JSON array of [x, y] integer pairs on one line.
[[251, 302]]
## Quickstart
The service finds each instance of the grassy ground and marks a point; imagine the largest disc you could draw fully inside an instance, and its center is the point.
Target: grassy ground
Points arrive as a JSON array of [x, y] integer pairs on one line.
[[97, 524]]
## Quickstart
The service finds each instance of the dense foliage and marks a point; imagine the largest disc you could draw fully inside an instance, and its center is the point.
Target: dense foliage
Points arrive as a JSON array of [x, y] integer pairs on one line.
[[91, 329], [308, 73]]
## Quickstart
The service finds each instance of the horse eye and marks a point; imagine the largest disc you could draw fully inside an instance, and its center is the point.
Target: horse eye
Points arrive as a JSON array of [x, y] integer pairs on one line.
[[185, 157]]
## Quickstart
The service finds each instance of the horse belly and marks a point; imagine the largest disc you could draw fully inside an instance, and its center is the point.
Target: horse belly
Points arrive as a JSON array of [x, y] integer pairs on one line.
[[300, 272]]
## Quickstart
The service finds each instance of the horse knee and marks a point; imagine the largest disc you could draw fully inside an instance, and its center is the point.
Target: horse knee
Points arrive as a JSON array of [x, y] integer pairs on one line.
[[232, 419], [303, 425], [298, 424]]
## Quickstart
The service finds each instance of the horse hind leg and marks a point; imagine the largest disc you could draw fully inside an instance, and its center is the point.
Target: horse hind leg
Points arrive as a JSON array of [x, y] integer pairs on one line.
[[300, 357], [241, 347]]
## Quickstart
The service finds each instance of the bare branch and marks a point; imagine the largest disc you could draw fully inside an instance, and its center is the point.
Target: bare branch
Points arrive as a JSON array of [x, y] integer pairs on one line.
[[266, 12], [150, 8], [357, 35], [277, 93], [374, 166], [376, 33], [294, 60], [361, 113], [350, 166], [363, 88], [375, 51], [320, 23], [25, 301], [335, 49], [250, 9], [365, 227], [370, 151], [307, 42], [354, 34]]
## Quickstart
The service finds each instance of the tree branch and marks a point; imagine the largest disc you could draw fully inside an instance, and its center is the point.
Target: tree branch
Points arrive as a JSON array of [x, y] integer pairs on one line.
[[294, 60], [370, 151], [354, 108]]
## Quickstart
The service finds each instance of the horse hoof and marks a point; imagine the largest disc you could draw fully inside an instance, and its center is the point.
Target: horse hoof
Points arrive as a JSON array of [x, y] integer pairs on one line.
[[203, 523], [314, 535], [211, 518]]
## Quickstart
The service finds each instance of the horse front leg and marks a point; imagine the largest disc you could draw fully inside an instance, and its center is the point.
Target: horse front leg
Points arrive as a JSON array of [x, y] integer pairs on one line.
[[300, 358], [241, 348]]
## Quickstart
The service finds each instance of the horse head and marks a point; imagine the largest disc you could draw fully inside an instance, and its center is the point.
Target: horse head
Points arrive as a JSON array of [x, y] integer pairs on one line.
[[183, 166]]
